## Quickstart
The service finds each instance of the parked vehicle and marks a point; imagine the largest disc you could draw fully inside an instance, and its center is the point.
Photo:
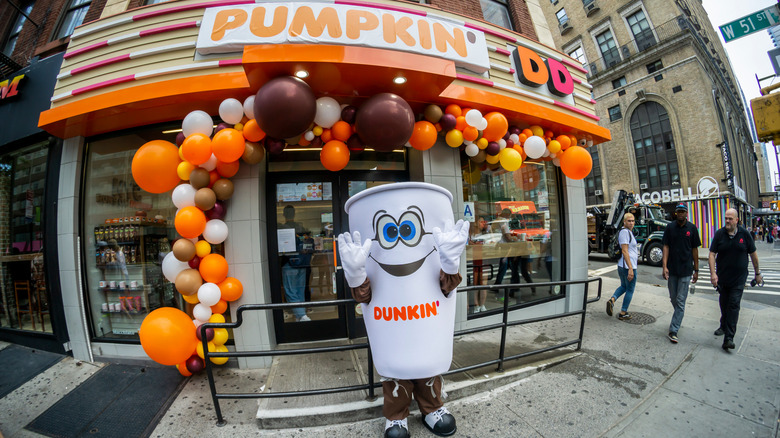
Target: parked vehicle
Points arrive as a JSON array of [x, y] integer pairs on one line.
[[649, 228]]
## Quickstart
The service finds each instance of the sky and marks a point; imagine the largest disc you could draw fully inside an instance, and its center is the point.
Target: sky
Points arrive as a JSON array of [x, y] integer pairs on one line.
[[747, 54]]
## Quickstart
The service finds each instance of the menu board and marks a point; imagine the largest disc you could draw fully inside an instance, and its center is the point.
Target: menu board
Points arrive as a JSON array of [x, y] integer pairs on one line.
[[297, 192]]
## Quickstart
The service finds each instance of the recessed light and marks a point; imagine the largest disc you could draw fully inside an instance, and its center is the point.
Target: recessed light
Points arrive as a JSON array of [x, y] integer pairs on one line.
[[399, 80], [302, 74]]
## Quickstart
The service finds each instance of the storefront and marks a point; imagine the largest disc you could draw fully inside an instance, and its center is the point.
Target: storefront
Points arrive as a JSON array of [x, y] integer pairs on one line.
[[132, 78], [31, 310]]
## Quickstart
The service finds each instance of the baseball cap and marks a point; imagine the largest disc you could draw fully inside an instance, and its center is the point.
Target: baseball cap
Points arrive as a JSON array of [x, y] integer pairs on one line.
[[681, 206]]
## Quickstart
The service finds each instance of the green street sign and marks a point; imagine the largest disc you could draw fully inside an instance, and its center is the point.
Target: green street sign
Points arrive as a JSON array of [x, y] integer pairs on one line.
[[750, 23]]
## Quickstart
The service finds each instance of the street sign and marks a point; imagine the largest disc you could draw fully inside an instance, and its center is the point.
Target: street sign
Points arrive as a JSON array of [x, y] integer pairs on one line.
[[750, 23], [774, 57]]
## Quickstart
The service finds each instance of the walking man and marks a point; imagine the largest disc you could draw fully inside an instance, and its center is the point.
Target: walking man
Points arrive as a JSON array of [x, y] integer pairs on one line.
[[729, 253], [680, 263]]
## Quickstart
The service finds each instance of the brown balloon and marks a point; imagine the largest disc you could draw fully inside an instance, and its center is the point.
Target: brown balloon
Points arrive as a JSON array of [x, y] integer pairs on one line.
[[188, 282], [223, 188], [200, 178], [433, 113], [285, 106], [385, 122], [205, 198], [253, 153], [183, 250]]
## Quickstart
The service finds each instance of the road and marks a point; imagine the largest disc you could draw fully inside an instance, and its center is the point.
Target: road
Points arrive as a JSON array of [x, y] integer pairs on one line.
[[600, 265]]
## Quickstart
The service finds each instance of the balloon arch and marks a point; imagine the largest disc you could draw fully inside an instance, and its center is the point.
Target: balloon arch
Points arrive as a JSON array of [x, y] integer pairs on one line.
[[284, 112]]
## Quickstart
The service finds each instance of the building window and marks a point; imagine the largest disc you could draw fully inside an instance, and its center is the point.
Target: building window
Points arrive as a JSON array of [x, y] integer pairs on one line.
[[640, 28], [593, 183], [608, 48], [656, 158], [497, 12], [579, 55], [25, 297], [72, 17], [16, 28], [654, 67], [614, 113], [619, 82], [525, 202], [562, 17]]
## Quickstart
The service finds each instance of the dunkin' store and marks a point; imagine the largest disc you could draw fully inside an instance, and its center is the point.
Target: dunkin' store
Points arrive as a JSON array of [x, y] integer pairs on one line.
[[217, 143]]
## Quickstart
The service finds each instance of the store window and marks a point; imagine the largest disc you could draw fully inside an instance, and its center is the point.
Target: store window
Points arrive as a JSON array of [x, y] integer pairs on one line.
[[25, 298], [127, 232], [516, 233], [16, 28], [656, 157], [497, 12], [72, 17]]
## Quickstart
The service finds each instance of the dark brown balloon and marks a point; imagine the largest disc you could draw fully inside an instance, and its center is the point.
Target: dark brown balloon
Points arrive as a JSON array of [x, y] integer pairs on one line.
[[433, 113], [223, 188], [385, 122], [285, 107], [183, 250], [205, 199], [253, 153], [200, 178], [188, 282]]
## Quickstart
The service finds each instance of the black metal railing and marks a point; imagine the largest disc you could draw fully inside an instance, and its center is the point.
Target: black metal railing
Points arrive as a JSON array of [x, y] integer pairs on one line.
[[504, 325]]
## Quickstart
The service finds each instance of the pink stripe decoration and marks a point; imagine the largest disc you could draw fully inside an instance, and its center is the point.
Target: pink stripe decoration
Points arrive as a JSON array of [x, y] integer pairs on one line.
[[102, 63], [381, 6], [491, 32], [576, 80], [576, 110], [85, 49], [175, 9], [592, 102], [163, 29], [573, 64], [503, 51], [229, 62], [511, 71], [103, 84], [473, 79]]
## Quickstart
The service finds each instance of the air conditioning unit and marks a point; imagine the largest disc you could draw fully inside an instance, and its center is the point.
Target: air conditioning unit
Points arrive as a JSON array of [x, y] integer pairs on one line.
[[564, 27], [643, 186], [594, 68], [599, 193], [591, 8], [626, 51]]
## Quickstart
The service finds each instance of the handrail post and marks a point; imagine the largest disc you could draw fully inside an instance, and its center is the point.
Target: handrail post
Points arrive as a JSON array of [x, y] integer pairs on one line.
[[210, 373], [505, 319], [584, 311]]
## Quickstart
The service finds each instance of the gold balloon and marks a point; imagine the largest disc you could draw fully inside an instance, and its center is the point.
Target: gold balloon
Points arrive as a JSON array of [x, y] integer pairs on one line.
[[223, 188], [188, 282], [205, 199], [184, 250]]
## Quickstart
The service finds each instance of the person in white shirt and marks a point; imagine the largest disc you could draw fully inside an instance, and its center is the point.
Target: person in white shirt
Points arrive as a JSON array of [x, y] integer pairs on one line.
[[626, 267]]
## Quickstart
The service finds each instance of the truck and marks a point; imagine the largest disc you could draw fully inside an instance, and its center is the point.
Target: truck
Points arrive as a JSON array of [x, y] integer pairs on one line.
[[649, 227]]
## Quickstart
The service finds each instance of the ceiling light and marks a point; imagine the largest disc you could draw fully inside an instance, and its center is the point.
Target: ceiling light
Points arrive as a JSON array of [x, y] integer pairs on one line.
[[399, 80], [302, 74]]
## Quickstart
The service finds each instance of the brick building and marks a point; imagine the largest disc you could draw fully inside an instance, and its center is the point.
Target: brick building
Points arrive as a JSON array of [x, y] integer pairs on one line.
[[664, 87]]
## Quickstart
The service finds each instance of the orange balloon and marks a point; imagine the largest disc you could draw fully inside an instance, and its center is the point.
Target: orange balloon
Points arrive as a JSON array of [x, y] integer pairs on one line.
[[522, 138], [470, 133], [231, 289], [565, 141], [453, 109], [326, 135], [549, 134], [190, 222], [252, 131], [334, 155], [460, 123], [168, 336], [528, 133], [227, 170], [213, 177], [341, 130], [573, 140], [154, 166], [182, 367], [196, 149], [213, 268], [220, 307], [497, 126], [423, 136], [228, 145], [576, 162]]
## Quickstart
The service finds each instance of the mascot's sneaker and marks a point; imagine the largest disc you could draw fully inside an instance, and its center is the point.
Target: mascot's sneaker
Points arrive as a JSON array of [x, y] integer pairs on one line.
[[440, 422], [396, 429]]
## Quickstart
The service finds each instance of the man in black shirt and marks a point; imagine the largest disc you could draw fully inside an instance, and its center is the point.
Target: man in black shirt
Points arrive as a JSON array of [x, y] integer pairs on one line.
[[680, 263], [729, 250]]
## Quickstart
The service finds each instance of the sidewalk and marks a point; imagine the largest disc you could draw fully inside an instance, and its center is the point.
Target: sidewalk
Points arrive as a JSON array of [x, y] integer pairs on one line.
[[627, 381]]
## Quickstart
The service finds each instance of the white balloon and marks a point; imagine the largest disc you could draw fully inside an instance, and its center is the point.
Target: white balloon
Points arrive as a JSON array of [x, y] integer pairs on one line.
[[590, 143], [216, 231], [197, 122], [201, 312], [515, 138], [472, 150], [194, 239], [249, 107], [546, 152], [473, 118], [552, 155], [501, 143], [171, 266], [183, 196], [534, 146], [557, 161], [328, 112], [197, 323], [482, 125], [231, 111], [209, 294], [210, 164], [309, 136]]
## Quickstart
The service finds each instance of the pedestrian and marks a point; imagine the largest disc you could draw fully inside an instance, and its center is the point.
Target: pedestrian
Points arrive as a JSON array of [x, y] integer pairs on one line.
[[626, 267], [729, 251], [680, 264]]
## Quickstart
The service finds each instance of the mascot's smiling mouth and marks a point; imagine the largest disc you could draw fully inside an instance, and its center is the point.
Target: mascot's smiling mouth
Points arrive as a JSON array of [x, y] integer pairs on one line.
[[402, 270]]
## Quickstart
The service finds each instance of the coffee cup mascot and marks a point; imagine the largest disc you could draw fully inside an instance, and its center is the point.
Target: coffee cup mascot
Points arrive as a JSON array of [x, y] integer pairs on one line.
[[404, 274]]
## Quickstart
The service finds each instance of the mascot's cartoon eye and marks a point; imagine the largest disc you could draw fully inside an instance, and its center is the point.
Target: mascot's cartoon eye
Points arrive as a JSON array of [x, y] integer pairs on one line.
[[411, 228], [409, 232], [390, 232]]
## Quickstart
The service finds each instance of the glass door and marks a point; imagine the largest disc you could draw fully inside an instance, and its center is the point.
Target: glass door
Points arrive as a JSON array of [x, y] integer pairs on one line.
[[305, 216]]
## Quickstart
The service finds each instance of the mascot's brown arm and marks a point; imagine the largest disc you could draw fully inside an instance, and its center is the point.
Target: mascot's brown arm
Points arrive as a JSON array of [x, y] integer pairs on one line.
[[362, 293], [447, 282]]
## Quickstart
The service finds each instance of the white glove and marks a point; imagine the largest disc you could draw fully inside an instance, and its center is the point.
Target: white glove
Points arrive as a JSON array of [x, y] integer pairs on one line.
[[353, 257], [450, 244]]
